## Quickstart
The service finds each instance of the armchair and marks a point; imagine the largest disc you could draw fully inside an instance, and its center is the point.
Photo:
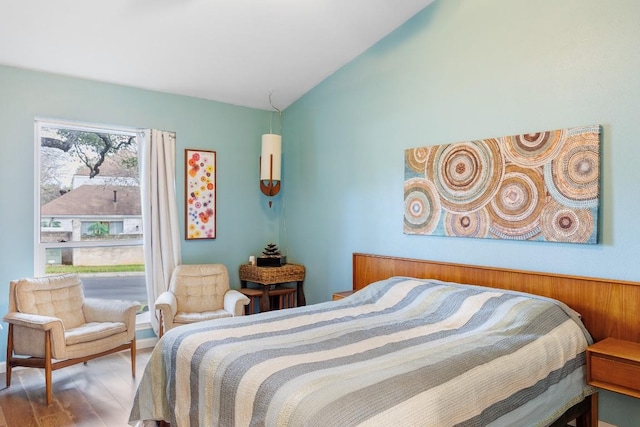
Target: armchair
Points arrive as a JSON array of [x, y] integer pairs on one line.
[[52, 323], [198, 292]]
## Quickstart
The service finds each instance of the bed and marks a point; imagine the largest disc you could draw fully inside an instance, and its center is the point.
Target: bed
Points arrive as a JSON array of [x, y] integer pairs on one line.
[[401, 351]]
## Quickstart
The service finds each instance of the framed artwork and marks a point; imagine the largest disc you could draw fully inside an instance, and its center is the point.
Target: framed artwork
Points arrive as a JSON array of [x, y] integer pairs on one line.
[[200, 194], [542, 186]]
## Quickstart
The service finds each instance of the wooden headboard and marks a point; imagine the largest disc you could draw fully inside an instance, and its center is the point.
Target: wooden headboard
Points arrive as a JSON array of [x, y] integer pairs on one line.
[[609, 308]]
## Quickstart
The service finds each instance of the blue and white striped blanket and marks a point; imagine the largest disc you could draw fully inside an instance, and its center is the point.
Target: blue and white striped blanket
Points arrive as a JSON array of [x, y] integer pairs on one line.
[[403, 351]]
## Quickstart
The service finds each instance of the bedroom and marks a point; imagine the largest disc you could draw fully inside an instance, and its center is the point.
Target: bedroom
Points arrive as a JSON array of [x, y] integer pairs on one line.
[[458, 70]]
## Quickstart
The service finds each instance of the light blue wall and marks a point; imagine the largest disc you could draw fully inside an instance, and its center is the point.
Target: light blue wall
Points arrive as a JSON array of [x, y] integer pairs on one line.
[[460, 70], [245, 223]]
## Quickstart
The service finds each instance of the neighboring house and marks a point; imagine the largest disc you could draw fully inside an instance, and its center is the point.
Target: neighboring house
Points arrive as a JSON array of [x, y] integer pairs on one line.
[[72, 217]]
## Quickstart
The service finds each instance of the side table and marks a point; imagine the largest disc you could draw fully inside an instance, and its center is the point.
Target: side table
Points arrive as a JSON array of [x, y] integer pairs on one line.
[[267, 276], [339, 295], [614, 364]]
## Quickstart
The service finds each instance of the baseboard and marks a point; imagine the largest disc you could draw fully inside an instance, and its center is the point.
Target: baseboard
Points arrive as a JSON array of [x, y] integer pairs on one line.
[[140, 344], [146, 342]]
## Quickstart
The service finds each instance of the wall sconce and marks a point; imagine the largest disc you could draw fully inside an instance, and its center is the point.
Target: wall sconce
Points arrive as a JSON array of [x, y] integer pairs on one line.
[[270, 164]]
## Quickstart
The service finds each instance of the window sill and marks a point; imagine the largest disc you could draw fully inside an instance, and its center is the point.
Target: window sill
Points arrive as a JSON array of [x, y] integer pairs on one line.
[[142, 321]]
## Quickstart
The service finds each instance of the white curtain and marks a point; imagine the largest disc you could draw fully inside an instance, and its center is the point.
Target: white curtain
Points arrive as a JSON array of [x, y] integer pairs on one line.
[[159, 213]]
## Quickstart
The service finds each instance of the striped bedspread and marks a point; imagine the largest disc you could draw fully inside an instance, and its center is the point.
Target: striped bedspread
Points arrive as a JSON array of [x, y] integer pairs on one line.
[[403, 352]]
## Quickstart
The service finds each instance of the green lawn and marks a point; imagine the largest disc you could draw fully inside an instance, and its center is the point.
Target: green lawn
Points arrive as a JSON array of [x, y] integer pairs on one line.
[[61, 269]]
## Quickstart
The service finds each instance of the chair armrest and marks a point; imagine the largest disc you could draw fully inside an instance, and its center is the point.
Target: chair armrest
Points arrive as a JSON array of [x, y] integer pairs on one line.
[[33, 321], [234, 302], [167, 303], [107, 310], [168, 306]]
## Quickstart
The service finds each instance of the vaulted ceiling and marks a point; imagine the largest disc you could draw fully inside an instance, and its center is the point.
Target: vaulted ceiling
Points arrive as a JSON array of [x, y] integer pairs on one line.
[[232, 51]]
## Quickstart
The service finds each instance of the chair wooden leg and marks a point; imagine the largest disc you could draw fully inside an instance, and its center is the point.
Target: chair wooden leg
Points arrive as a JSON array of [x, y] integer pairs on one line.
[[160, 326], [9, 353], [133, 357], [47, 366]]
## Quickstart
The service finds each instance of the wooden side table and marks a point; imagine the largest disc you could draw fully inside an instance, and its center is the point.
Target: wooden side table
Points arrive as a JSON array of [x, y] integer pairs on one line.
[[339, 295], [267, 276], [614, 364]]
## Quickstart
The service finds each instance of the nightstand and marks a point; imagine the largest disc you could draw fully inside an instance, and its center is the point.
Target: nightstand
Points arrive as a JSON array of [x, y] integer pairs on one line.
[[614, 365], [339, 295], [267, 276]]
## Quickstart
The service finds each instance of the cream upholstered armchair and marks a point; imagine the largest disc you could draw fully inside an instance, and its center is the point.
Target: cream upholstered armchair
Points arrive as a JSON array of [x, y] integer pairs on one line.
[[198, 292], [52, 323]]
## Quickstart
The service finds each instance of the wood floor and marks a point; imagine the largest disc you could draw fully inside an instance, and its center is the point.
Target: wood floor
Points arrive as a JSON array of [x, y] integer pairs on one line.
[[99, 393]]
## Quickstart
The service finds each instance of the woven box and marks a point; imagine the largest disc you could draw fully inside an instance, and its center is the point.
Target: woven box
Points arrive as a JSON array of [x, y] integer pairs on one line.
[[270, 261], [272, 275]]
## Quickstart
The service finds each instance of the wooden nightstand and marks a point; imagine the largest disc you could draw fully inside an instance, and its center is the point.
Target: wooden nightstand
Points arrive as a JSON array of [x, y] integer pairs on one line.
[[339, 295], [614, 365]]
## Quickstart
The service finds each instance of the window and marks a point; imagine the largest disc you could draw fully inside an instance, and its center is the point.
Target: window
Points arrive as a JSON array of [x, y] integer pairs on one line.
[[89, 218], [91, 228]]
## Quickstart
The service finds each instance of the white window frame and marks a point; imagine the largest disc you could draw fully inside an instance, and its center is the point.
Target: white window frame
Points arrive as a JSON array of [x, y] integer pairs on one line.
[[40, 247]]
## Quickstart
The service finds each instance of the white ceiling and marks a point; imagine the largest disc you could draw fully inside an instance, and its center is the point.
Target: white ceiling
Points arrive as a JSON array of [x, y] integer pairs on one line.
[[233, 51]]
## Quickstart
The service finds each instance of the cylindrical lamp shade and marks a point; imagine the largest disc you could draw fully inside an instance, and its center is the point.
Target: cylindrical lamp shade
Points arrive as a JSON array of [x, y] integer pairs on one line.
[[271, 146]]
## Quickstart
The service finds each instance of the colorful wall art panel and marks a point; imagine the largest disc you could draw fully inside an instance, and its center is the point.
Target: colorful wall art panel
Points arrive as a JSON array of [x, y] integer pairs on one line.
[[200, 194], [540, 186]]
